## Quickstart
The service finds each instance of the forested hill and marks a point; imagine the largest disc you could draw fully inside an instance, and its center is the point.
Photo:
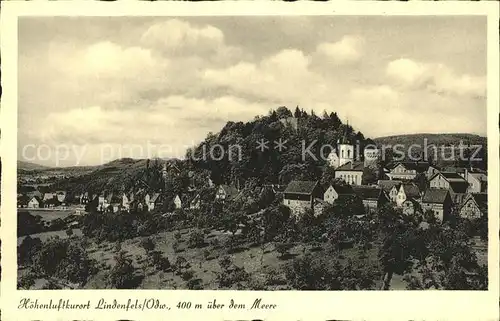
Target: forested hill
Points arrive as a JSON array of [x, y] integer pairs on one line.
[[437, 139], [446, 146], [298, 129]]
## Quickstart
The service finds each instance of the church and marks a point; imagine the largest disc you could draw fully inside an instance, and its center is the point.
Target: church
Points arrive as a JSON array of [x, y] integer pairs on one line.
[[346, 164]]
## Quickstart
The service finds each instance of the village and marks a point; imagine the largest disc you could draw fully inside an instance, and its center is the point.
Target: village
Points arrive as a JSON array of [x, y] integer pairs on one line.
[[447, 191]]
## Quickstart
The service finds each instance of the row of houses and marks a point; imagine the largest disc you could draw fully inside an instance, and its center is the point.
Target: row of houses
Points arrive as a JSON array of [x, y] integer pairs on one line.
[[36, 199], [302, 195]]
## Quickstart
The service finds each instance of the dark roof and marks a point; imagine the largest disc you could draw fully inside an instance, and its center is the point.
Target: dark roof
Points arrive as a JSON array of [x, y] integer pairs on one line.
[[23, 199], [367, 192], [435, 195], [411, 190], [352, 166], [154, 197], [481, 200], [301, 187], [39, 200], [387, 184], [452, 169], [418, 166], [459, 187], [343, 189], [452, 176]]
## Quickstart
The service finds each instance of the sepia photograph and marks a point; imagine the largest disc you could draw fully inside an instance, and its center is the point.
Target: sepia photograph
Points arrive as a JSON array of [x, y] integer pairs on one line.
[[252, 153]]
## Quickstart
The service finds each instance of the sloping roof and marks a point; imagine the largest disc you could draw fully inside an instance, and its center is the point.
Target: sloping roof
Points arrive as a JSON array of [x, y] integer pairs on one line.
[[481, 177], [195, 199], [343, 189], [411, 190], [352, 166], [435, 195], [154, 197], [61, 196], [23, 200], [367, 192], [452, 176], [420, 167], [387, 184], [453, 169], [459, 187], [48, 196], [481, 200], [301, 187], [38, 199]]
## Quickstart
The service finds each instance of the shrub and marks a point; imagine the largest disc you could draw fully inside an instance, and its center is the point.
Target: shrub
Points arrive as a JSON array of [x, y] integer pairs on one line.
[[194, 284], [177, 235], [187, 275], [196, 239], [283, 249], [26, 281], [148, 244], [122, 274], [231, 274]]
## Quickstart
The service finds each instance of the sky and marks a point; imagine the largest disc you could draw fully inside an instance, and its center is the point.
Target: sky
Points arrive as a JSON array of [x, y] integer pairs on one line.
[[93, 89]]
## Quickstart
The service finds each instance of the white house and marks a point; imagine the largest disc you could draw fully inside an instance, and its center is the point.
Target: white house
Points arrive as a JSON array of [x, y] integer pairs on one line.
[[478, 182], [34, 202], [474, 206], [407, 192], [351, 173], [177, 202], [334, 192]]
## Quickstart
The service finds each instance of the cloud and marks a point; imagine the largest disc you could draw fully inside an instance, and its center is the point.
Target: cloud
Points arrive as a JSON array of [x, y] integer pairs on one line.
[[284, 76], [175, 37], [437, 78], [345, 51], [159, 122]]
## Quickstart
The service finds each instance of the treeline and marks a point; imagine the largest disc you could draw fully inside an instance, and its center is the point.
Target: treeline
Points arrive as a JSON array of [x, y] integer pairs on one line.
[[297, 129]]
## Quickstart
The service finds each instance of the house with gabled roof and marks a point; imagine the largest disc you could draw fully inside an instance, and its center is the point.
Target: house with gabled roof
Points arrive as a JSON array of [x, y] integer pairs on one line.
[[453, 182], [177, 202], [351, 172], [226, 192], [390, 188], [336, 191], [61, 196], [407, 192], [299, 196], [373, 197], [475, 205], [48, 196], [407, 170], [195, 203], [438, 201], [153, 201], [34, 202], [478, 182]]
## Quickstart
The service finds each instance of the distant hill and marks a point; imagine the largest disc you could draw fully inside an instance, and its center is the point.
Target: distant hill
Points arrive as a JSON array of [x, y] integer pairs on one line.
[[260, 166], [447, 144], [437, 139], [116, 176], [27, 166]]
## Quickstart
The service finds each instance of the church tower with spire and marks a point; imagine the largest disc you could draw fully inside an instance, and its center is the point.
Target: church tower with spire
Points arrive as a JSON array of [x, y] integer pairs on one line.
[[346, 150]]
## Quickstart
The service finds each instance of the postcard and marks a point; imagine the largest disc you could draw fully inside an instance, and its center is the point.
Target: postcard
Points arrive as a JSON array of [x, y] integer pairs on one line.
[[243, 161]]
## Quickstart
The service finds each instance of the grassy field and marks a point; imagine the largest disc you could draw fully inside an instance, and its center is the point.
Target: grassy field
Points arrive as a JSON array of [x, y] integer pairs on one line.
[[47, 235], [264, 268], [270, 272], [50, 215]]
